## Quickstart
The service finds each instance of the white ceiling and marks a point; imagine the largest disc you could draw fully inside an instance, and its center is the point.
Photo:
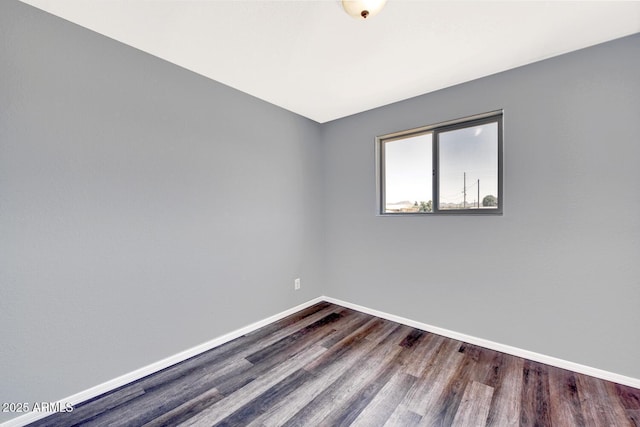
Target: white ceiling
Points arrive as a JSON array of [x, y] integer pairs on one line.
[[311, 58]]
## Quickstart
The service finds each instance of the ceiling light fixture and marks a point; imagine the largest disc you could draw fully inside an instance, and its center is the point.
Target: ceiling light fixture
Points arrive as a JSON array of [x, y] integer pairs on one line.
[[363, 9]]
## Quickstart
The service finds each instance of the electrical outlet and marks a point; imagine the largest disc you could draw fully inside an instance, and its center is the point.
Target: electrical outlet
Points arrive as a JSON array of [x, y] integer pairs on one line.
[[296, 284]]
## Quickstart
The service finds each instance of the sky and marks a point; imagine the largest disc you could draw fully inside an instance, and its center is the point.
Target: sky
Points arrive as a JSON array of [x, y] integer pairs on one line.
[[473, 150]]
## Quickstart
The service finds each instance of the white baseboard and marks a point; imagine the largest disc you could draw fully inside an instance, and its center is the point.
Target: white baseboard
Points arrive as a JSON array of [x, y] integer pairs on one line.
[[194, 351], [157, 366], [514, 351]]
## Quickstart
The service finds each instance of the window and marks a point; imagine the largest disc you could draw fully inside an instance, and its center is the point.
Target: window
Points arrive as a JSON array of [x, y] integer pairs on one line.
[[448, 168]]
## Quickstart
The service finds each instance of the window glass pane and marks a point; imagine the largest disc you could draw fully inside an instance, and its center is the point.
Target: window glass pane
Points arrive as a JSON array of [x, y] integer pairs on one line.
[[468, 168], [408, 174]]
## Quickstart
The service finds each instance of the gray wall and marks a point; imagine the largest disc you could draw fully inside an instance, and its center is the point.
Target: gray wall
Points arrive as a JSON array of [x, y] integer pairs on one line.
[[559, 273], [143, 209]]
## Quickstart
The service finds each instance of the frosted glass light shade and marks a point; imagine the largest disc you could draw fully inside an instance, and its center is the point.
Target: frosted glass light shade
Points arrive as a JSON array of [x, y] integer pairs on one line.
[[363, 9]]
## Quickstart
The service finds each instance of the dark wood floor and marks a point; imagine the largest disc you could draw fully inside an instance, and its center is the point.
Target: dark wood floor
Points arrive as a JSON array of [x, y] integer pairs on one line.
[[332, 366]]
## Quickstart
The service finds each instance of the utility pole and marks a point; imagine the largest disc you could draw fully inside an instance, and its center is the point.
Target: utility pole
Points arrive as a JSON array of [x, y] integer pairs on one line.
[[478, 194], [464, 190]]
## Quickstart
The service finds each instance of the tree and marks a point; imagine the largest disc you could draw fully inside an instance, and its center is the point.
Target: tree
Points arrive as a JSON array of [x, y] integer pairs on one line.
[[489, 201], [426, 206]]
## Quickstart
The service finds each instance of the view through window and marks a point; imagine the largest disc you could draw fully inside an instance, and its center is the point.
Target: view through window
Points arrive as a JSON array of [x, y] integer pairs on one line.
[[408, 174], [454, 167]]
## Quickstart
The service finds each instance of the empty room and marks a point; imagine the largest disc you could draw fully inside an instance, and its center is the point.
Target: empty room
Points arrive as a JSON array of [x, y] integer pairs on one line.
[[319, 213]]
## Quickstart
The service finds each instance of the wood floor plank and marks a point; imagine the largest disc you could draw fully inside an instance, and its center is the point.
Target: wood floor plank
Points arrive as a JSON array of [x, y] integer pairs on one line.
[[344, 354], [284, 344], [417, 363], [217, 359], [386, 366], [270, 334], [327, 404], [423, 398], [383, 405], [265, 401], [213, 414], [598, 409], [271, 359], [186, 410], [414, 336], [403, 417], [379, 333], [628, 396], [505, 376], [634, 417], [240, 347], [472, 368], [350, 340], [352, 321], [535, 404], [333, 366], [564, 400], [474, 408], [160, 400], [433, 414], [295, 321], [95, 407]]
